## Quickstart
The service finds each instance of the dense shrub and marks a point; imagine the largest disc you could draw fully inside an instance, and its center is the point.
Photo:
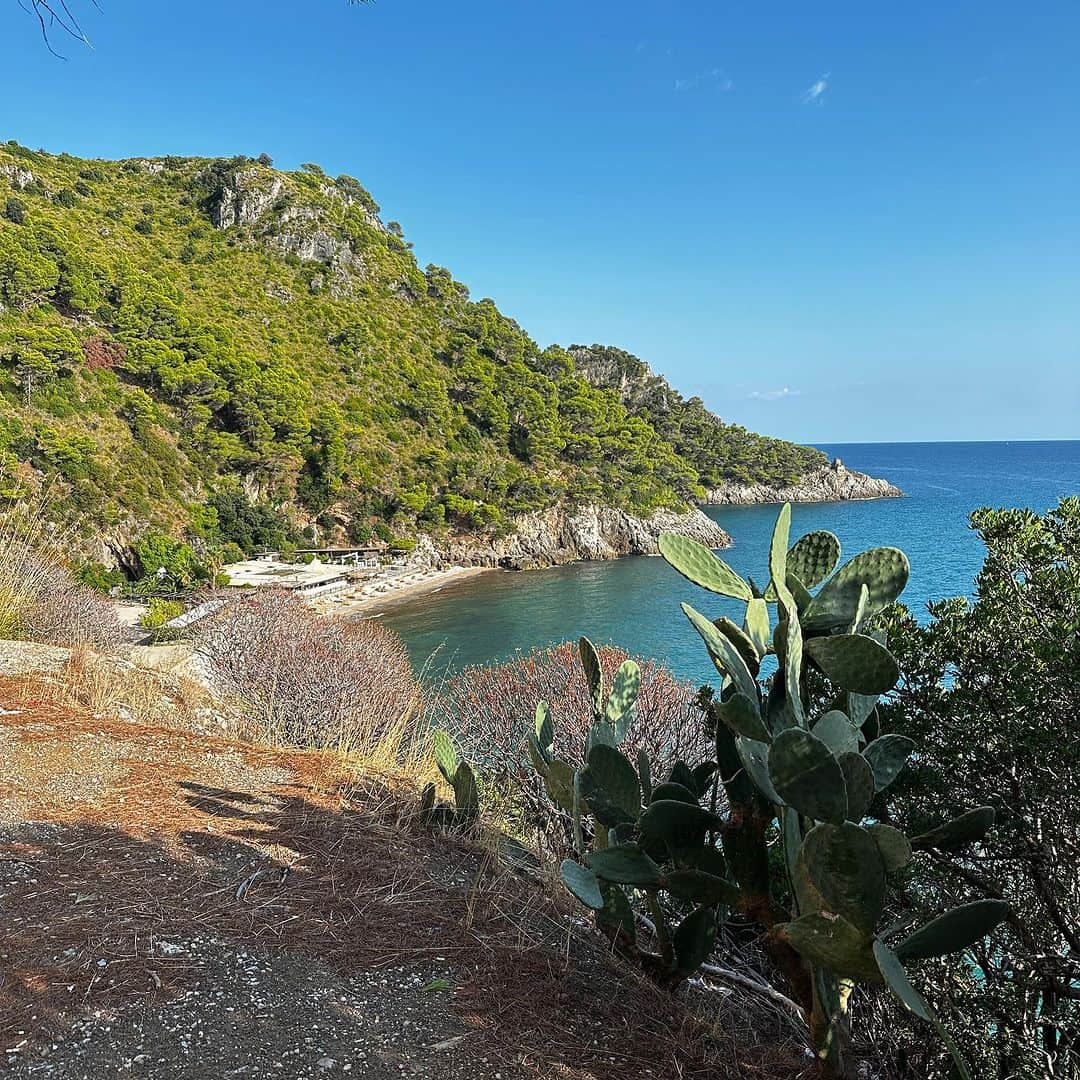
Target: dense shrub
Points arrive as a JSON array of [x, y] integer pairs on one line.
[[302, 679], [991, 691], [489, 710], [159, 611]]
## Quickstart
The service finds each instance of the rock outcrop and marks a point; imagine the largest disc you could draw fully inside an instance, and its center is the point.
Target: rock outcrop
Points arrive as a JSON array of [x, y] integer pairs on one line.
[[830, 483], [555, 536]]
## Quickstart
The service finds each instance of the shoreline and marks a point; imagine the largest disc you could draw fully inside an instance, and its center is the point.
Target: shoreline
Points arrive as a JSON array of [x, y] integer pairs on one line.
[[381, 592]]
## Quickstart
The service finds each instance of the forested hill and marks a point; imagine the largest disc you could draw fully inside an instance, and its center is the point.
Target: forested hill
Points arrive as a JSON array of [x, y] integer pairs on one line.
[[220, 347]]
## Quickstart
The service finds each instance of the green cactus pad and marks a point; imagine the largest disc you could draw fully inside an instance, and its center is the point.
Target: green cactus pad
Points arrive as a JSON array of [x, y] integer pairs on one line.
[[727, 659], [743, 716], [597, 800], [965, 829], [859, 781], [703, 775], [559, 783], [887, 756], [672, 790], [544, 730], [427, 801], [466, 796], [884, 571], [834, 729], [693, 940], [701, 888], [860, 706], [954, 930], [681, 773], [617, 777], [842, 868], [854, 662], [617, 915], [831, 942], [699, 565], [894, 846], [677, 825], [594, 675], [446, 757], [756, 626], [625, 864], [754, 756], [813, 557], [742, 641], [897, 981], [582, 882], [807, 776], [778, 547], [624, 693]]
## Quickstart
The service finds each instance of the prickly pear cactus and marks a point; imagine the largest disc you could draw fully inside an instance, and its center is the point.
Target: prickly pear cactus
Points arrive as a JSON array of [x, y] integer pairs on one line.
[[815, 777]]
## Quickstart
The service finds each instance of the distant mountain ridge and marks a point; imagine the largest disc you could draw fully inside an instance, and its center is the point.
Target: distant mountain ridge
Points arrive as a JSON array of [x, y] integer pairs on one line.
[[221, 349]]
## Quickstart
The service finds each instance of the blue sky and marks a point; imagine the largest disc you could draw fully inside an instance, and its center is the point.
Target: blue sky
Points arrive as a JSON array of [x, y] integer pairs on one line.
[[833, 224]]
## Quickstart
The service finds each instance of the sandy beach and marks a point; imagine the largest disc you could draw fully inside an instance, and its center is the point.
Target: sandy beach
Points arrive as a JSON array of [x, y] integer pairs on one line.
[[388, 588]]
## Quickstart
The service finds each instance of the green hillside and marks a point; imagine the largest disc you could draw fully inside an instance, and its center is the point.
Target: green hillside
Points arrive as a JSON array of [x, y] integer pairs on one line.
[[218, 347]]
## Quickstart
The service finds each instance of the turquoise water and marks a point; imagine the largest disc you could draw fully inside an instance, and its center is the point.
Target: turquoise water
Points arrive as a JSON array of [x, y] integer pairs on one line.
[[634, 602]]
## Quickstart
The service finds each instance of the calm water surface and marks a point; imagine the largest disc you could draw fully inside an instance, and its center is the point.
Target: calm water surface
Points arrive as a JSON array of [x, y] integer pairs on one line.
[[634, 602]]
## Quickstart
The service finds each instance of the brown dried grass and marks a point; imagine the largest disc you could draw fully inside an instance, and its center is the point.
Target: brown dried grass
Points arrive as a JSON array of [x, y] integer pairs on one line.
[[163, 852]]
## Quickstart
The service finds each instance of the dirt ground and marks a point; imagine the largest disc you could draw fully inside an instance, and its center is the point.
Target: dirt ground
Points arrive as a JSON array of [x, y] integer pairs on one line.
[[175, 905]]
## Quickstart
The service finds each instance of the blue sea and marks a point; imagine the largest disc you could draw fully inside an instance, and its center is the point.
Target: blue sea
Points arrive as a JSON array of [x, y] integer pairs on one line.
[[634, 602]]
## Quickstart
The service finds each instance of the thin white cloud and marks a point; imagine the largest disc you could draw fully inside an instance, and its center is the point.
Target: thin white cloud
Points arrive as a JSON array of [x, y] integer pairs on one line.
[[714, 77], [815, 95], [774, 395]]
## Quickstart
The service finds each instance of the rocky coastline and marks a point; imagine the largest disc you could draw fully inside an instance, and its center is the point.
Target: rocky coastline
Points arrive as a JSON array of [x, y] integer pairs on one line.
[[834, 482], [559, 535]]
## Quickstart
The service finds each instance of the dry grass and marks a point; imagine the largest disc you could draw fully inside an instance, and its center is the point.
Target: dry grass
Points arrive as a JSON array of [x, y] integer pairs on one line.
[[39, 599], [107, 686], [194, 835]]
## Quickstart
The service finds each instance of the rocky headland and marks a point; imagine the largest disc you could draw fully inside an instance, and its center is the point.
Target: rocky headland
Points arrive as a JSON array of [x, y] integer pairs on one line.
[[834, 482], [559, 535]]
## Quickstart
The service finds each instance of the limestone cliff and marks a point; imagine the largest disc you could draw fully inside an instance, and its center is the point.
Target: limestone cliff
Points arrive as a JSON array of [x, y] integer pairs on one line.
[[829, 483], [555, 536]]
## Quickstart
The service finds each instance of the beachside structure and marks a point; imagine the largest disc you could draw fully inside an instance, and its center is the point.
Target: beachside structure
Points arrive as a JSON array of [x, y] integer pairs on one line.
[[311, 579]]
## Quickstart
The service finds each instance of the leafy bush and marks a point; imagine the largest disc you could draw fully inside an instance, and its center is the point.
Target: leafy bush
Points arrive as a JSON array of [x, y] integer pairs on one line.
[[159, 611], [301, 679], [15, 210], [991, 690]]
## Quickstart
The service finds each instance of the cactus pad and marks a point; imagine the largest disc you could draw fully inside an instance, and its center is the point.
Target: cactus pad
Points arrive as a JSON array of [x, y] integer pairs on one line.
[[965, 829], [842, 867], [887, 756], [813, 557], [699, 565], [724, 655], [743, 716], [892, 844], [756, 625], [582, 882], [699, 887], [884, 571], [954, 930], [807, 776], [835, 730], [693, 940], [854, 662], [594, 675], [833, 943], [623, 697], [618, 779], [859, 781], [626, 864]]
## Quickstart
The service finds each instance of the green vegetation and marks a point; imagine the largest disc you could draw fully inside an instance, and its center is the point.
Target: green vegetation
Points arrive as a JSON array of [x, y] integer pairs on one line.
[[159, 611], [251, 356], [991, 691], [803, 767], [719, 452]]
